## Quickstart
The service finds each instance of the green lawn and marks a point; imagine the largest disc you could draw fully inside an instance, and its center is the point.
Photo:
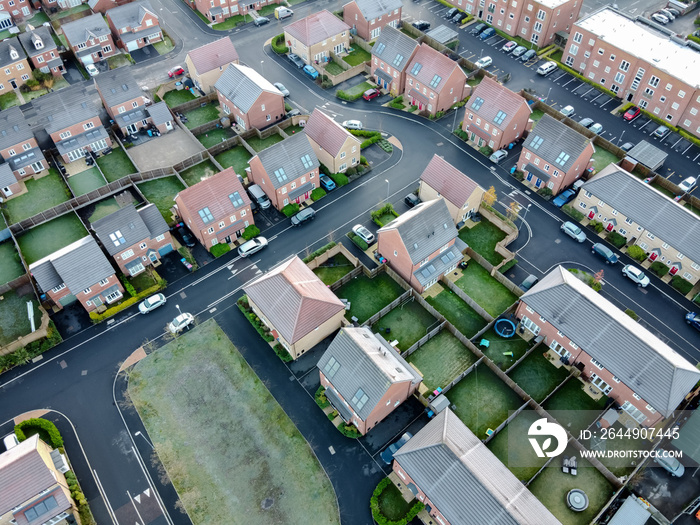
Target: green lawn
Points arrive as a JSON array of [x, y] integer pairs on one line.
[[176, 97], [232, 22], [368, 296], [333, 269], [602, 158], [514, 451], [391, 503], [499, 345], [267, 10], [538, 376], [7, 100], [70, 11], [333, 69], [199, 172], [460, 314], [482, 238], [573, 408], [201, 383], [215, 136], [386, 218], [357, 56], [142, 281], [165, 46], [261, 144], [663, 190], [161, 193], [38, 19], [202, 115], [117, 61], [116, 165], [293, 130], [408, 323], [359, 89], [441, 359], [45, 239], [491, 295], [14, 322], [104, 208], [236, 157], [11, 266], [42, 194], [536, 115], [86, 181]]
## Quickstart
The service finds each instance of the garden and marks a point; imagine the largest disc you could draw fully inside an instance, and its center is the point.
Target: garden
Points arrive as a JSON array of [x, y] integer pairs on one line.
[[390, 508], [232, 22], [354, 92], [260, 144], [202, 115], [103, 208], [215, 136], [462, 316], [86, 181], [42, 194], [441, 360], [357, 56], [602, 158], [573, 408], [43, 240], [115, 165], [538, 376], [482, 238], [333, 269], [11, 266], [368, 296], [236, 158], [504, 352], [14, 322], [406, 324], [161, 192], [199, 172], [176, 97], [491, 295], [513, 450]]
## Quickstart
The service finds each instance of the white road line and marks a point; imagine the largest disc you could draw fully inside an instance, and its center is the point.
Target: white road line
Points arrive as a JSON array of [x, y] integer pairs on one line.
[[686, 149], [104, 497], [569, 82], [136, 509]]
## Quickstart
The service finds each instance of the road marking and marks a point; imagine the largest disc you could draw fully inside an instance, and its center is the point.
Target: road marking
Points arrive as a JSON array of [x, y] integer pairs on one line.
[[587, 92], [135, 508], [686, 149], [674, 145], [595, 98], [606, 103], [562, 75], [696, 157], [212, 310], [569, 82], [644, 125], [331, 450]]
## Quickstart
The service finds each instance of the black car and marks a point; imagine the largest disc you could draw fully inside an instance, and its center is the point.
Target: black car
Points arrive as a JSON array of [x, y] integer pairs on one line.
[[422, 25], [478, 29], [305, 215], [451, 12], [261, 21], [529, 282], [459, 18], [187, 238], [412, 200]]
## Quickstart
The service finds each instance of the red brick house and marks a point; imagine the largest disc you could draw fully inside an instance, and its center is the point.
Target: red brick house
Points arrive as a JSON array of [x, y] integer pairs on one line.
[[365, 378], [219, 10], [42, 51], [318, 36], [90, 39], [102, 6], [495, 116], [17, 9], [391, 55], [422, 245], [217, 209], [9, 185], [369, 17], [207, 63], [18, 146], [134, 25]]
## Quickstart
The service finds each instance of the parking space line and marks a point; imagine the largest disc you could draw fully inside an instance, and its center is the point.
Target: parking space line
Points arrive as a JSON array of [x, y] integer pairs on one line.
[[596, 98], [562, 75], [686, 149], [606, 103], [587, 92], [676, 143], [569, 82], [644, 125]]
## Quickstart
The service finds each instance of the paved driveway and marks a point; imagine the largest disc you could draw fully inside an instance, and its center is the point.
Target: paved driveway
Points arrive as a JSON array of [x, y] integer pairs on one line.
[[164, 151]]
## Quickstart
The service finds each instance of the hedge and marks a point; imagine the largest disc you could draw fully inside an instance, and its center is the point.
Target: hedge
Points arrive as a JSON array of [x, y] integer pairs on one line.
[[282, 353], [251, 231], [360, 243], [39, 425], [278, 45], [636, 253], [573, 212], [339, 179], [290, 209], [318, 252], [507, 266], [380, 518], [342, 95], [681, 284], [397, 103], [632, 314], [76, 493], [597, 226], [486, 151], [320, 397], [386, 209], [244, 307], [587, 80], [109, 312], [349, 431], [24, 355], [617, 240], [659, 268], [317, 194], [219, 249]]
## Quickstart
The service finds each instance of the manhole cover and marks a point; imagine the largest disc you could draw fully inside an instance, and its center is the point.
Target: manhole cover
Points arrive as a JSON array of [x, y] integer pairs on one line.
[[267, 503]]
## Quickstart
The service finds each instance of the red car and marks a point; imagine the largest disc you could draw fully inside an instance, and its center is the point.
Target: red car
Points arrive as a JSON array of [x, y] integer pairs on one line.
[[632, 113], [370, 94], [176, 72]]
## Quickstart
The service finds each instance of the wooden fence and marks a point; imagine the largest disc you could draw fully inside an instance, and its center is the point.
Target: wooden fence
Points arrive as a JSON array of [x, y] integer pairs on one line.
[[401, 299], [338, 248], [20, 281], [506, 227], [510, 285], [196, 103], [464, 297], [427, 337]]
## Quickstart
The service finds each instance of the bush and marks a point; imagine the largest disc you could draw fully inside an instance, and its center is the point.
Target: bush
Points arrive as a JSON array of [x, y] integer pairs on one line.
[[244, 307], [320, 397], [361, 244], [317, 194], [109, 312], [219, 249], [694, 38], [617, 240], [545, 192], [636, 253], [278, 45], [326, 83], [507, 266], [39, 426], [128, 286], [384, 210], [349, 431], [597, 226], [380, 518], [397, 103], [681, 284], [350, 171], [659, 268], [322, 249], [632, 314], [282, 353], [461, 134], [342, 95], [287, 107], [339, 179], [573, 212], [290, 209], [486, 151], [386, 145]]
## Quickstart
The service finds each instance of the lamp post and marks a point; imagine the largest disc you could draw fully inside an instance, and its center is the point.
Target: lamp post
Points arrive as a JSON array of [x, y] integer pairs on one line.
[[262, 67], [621, 135], [387, 189], [138, 433], [522, 218], [178, 308]]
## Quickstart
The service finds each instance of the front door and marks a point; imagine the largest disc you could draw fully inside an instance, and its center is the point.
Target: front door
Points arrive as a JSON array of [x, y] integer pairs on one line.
[[13, 84], [153, 257], [7, 191], [227, 239], [132, 128]]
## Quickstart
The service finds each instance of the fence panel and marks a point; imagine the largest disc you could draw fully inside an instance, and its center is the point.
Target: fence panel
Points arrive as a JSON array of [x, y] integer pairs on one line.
[[194, 104], [471, 302], [427, 337]]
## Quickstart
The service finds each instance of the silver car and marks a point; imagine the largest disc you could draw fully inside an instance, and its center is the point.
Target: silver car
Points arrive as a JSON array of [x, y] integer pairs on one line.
[[636, 275], [282, 89], [363, 233], [252, 246], [498, 156], [181, 322], [573, 231], [153, 302]]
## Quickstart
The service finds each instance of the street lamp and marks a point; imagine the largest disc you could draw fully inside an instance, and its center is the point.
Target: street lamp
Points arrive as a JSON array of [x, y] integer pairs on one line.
[[262, 67], [387, 189], [621, 135], [522, 218], [138, 433], [178, 308]]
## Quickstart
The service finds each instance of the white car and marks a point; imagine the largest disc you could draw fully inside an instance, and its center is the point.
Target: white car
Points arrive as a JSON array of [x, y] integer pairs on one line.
[[252, 246], [363, 233], [509, 46], [498, 156], [153, 302], [596, 128], [352, 124], [688, 184], [573, 231], [661, 19], [282, 89], [92, 70], [483, 62], [567, 111], [181, 322], [635, 275]]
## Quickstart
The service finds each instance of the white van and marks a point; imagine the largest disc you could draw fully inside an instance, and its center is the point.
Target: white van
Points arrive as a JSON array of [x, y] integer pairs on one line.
[[283, 12], [259, 196], [10, 441], [546, 68]]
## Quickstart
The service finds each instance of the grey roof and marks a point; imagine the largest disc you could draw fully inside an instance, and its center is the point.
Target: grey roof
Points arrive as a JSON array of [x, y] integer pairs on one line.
[[133, 225], [83, 29], [626, 349], [61, 109], [154, 220], [13, 128], [442, 34], [424, 229], [632, 512], [337, 402], [243, 86], [131, 14], [7, 49], [160, 113], [130, 37], [367, 362], [371, 9], [649, 208], [648, 154], [464, 480], [6, 176], [441, 262], [25, 158], [118, 86], [286, 156], [393, 44], [82, 140], [557, 138], [79, 265], [40, 34], [135, 115]]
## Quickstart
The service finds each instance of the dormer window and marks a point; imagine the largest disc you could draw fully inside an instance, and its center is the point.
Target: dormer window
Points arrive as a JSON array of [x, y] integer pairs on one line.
[[14, 55], [38, 43]]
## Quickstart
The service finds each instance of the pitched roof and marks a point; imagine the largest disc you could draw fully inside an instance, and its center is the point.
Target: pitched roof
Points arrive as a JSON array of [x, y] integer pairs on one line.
[[498, 103], [221, 194], [61, 109], [327, 133], [6, 176], [627, 349], [213, 55], [13, 128], [371, 9], [294, 299], [367, 362], [81, 30], [159, 113], [556, 143], [117, 86], [291, 158], [448, 181], [129, 227], [394, 48], [424, 229], [41, 35], [8, 47], [316, 27], [464, 480], [243, 85], [431, 68], [131, 14]]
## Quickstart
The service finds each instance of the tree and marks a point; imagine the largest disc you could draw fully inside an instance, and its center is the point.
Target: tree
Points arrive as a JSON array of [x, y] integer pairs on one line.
[[490, 196], [598, 277], [513, 211]]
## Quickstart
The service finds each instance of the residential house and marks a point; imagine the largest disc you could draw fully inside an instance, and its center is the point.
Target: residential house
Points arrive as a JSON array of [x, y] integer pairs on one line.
[[14, 67], [334, 146], [615, 354], [554, 155], [102, 6], [217, 209], [287, 171], [421, 245], [18, 10], [34, 487], [433, 81], [495, 116], [391, 55], [667, 231], [9, 185], [207, 63], [90, 39], [462, 195], [317, 37], [134, 238], [18, 146], [134, 25], [248, 98], [6, 21], [42, 51], [218, 11], [295, 305], [370, 17], [461, 481], [79, 271], [365, 378]]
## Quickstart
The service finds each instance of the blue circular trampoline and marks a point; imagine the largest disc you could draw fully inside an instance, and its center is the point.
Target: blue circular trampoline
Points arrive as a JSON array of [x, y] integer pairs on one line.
[[505, 328]]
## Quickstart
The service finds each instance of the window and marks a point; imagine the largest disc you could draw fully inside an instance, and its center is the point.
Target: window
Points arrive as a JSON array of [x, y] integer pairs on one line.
[[359, 399], [654, 81], [634, 395], [58, 288], [651, 236], [236, 199], [40, 508], [306, 161], [416, 68], [563, 158], [64, 135], [602, 385], [500, 117], [331, 367], [633, 411], [476, 105], [530, 325], [536, 142], [104, 282], [597, 364], [649, 92], [107, 49], [601, 52], [142, 246], [280, 175], [573, 49], [210, 230], [578, 37], [681, 256], [206, 215], [87, 291], [110, 298], [624, 65], [435, 81], [342, 155], [619, 78]]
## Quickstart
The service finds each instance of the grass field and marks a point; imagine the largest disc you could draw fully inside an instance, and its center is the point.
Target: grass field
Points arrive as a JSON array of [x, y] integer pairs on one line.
[[441, 359], [359, 88], [161, 193], [199, 172], [368, 296], [573, 408], [176, 97], [538, 376], [214, 136], [236, 158], [491, 295], [43, 240], [7, 100], [86, 181], [460, 314], [252, 451], [104, 208], [11, 266], [232, 22], [333, 269], [498, 346], [602, 158], [408, 323], [482, 238], [165, 46], [333, 69], [357, 56], [391, 503], [202, 115], [116, 165], [41, 195], [514, 451], [14, 322], [261, 144]]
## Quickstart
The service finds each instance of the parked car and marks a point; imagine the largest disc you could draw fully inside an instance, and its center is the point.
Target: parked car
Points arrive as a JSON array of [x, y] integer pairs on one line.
[[530, 281], [567, 111], [282, 89], [296, 60], [488, 33], [509, 46], [363, 233], [293, 113], [661, 19], [387, 454], [627, 146], [153, 302], [187, 237], [573, 231], [411, 200], [483, 62], [632, 113], [498, 156], [528, 55], [547, 68], [688, 184], [252, 246], [459, 18], [92, 70], [422, 25], [597, 128], [305, 215], [181, 322], [673, 11], [176, 72], [261, 21], [327, 183], [668, 14], [564, 197], [451, 12], [310, 71], [669, 463], [352, 124], [693, 320], [636, 275], [586, 122], [370, 94], [478, 28], [10, 441], [518, 51], [661, 132], [604, 252]]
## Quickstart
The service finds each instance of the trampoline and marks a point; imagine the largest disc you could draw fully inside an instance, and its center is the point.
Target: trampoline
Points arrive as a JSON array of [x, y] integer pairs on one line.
[[505, 328]]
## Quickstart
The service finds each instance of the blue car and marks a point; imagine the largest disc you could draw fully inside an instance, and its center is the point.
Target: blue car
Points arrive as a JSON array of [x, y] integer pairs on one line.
[[603, 251], [311, 72], [693, 320], [327, 183], [488, 33], [387, 454], [564, 197]]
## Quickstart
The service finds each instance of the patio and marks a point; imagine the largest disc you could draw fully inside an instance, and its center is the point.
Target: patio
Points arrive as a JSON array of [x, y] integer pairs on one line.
[[462, 316], [478, 284], [165, 151], [441, 360], [368, 296], [45, 239], [406, 324], [42, 194], [538, 376], [573, 408], [482, 238], [500, 348]]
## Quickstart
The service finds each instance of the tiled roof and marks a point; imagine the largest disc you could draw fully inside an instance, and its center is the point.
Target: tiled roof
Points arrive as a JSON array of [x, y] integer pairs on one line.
[[159, 112], [6, 176], [8, 47], [59, 110], [294, 299], [428, 64], [214, 55], [117, 86], [555, 143], [316, 27], [371, 9], [448, 181], [83, 29], [287, 159], [243, 85], [128, 227], [79, 141], [131, 36], [131, 14], [625, 348], [394, 48], [327, 133], [13, 128], [39, 35], [496, 99]]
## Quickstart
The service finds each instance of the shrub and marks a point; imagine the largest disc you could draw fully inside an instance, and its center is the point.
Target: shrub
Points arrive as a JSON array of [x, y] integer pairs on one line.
[[350, 171], [545, 192], [342, 95], [322, 249], [617, 240], [573, 212], [414, 107], [282, 353], [40, 426], [694, 39], [339, 179], [326, 83], [519, 175], [251, 231], [636, 253], [364, 133], [486, 151], [128, 286], [439, 115], [320, 397], [681, 284], [507, 266], [317, 194], [632, 314], [397, 103], [386, 145], [384, 210], [244, 307], [33, 85], [659, 268], [361, 244], [109, 312], [363, 160], [349, 431], [380, 518], [290, 209], [278, 45], [219, 249], [287, 107], [597, 226], [461, 134]]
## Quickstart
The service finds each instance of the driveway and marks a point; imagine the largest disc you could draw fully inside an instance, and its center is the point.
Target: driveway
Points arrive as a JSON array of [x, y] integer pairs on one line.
[[165, 151], [71, 320], [143, 54]]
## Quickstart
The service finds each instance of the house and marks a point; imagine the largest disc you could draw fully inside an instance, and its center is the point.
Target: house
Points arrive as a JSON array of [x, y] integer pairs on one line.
[[14, 67], [370, 17], [42, 51], [90, 39], [667, 231], [554, 155], [207, 63], [614, 353], [6, 21], [249, 99], [461, 481], [34, 487], [102, 6], [227, 8], [391, 55], [462, 195], [79, 271], [295, 305], [365, 378], [433, 81], [334, 146], [134, 25], [134, 238], [421, 245], [317, 37], [18, 146], [9, 185], [216, 210], [287, 171], [17, 9], [495, 116]]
